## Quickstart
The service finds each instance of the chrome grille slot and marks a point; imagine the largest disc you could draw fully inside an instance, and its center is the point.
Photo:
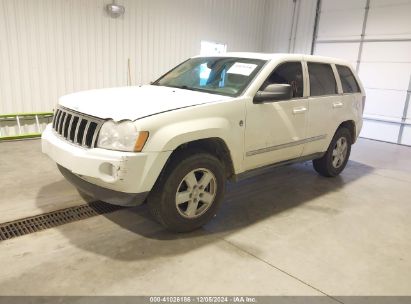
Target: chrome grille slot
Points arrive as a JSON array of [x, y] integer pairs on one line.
[[77, 128], [60, 122], [73, 128], [80, 132], [66, 125]]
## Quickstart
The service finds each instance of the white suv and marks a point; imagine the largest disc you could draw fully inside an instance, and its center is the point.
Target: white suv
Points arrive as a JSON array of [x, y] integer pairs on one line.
[[174, 143]]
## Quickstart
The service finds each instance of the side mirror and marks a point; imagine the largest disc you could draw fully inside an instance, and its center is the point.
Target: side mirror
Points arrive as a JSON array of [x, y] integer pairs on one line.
[[274, 92]]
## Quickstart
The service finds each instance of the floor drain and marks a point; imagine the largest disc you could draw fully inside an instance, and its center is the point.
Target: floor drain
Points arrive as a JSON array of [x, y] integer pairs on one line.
[[32, 224]]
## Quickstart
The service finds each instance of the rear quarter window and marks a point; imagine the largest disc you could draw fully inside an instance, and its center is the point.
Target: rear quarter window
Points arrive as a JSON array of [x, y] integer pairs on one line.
[[348, 81], [322, 80]]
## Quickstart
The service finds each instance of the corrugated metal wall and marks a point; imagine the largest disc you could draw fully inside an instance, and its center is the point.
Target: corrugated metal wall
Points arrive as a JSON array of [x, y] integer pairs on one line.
[[52, 47], [289, 26]]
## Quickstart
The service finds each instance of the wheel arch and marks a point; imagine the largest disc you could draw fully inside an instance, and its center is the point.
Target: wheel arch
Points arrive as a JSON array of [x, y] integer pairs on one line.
[[350, 125], [214, 145]]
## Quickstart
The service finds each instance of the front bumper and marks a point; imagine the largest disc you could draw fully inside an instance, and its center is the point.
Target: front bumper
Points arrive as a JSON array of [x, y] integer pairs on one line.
[[122, 172], [103, 194]]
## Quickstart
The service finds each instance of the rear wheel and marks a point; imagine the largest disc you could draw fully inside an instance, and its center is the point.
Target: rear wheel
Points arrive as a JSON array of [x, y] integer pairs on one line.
[[188, 193], [335, 159]]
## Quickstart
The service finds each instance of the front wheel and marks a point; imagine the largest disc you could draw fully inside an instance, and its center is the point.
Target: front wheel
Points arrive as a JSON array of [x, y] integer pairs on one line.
[[335, 159], [188, 193]]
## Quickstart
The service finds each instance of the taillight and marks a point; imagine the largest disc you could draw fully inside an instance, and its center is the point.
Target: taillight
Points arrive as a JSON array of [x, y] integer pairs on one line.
[[363, 103]]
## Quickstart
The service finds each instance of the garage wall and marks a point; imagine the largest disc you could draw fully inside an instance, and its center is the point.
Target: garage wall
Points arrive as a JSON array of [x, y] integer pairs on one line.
[[375, 36], [289, 26], [52, 47]]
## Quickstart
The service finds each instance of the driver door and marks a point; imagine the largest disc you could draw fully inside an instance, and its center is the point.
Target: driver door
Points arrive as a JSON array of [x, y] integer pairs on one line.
[[275, 130]]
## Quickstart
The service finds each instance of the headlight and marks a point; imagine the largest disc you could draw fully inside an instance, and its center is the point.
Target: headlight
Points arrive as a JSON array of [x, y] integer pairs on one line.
[[122, 136]]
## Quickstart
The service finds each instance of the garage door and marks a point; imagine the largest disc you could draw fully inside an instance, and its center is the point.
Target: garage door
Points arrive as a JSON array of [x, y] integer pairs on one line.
[[375, 36]]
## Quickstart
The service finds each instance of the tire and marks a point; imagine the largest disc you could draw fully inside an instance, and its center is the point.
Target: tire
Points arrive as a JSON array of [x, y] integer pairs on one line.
[[170, 202], [336, 157]]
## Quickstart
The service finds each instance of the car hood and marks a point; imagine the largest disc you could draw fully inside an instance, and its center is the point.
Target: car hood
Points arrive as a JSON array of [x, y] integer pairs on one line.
[[135, 102]]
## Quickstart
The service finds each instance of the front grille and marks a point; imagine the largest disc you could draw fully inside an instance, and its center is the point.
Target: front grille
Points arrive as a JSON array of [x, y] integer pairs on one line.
[[77, 128]]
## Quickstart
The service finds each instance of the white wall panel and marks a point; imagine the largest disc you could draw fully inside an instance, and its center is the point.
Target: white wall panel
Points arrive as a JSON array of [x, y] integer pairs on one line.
[[385, 65], [346, 51], [389, 21], [385, 103], [406, 136], [379, 3], [332, 5], [52, 47], [380, 130], [393, 51], [340, 25], [385, 75]]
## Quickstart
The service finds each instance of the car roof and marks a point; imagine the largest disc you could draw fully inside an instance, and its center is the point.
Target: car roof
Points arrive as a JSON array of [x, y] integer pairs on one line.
[[280, 56]]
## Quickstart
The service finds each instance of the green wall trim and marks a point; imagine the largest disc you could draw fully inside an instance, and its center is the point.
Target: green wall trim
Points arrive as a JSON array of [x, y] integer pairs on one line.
[[23, 136], [13, 115]]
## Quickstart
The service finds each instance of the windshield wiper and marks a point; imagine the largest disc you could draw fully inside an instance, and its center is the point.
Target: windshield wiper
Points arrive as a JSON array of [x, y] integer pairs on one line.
[[184, 87]]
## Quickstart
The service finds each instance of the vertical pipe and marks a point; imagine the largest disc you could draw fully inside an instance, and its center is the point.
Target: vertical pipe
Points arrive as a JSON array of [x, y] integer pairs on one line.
[[316, 23], [292, 26], [18, 124], [128, 72], [364, 25], [297, 18], [37, 124], [405, 112]]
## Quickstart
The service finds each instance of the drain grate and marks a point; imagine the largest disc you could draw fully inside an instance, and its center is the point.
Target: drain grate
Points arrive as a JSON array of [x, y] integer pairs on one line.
[[52, 219]]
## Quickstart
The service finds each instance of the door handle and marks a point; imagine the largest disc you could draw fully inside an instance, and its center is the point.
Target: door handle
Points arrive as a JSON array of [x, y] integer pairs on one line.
[[338, 104], [299, 110]]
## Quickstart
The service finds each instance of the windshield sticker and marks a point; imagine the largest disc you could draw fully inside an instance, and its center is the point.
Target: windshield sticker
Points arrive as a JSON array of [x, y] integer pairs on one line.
[[242, 68]]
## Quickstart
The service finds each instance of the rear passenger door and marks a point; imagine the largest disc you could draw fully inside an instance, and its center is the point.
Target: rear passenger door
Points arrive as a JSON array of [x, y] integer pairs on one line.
[[325, 104]]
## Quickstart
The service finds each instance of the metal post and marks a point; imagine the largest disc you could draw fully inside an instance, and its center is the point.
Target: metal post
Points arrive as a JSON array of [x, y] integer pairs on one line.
[[292, 26], [296, 26], [18, 124], [316, 23], [364, 25], [405, 112], [37, 123]]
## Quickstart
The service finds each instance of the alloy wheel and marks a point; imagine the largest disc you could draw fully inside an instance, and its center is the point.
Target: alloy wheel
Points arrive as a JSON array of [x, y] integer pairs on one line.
[[195, 193], [339, 152]]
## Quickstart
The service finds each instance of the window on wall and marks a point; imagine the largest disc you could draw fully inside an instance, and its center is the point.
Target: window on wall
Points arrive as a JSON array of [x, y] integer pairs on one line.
[[212, 48], [322, 80], [348, 82], [208, 49]]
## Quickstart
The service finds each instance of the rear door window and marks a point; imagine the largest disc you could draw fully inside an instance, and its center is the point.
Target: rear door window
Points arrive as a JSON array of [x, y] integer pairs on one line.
[[322, 80], [348, 82]]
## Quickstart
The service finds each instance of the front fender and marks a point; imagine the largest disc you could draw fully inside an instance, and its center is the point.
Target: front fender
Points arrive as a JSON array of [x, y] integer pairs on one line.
[[172, 135], [169, 137]]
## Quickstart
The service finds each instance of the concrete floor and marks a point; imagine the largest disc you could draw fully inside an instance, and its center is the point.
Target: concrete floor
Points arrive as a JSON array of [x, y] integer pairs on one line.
[[288, 232]]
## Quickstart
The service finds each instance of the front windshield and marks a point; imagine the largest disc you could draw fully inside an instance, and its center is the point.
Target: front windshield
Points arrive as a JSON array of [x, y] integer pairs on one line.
[[217, 75]]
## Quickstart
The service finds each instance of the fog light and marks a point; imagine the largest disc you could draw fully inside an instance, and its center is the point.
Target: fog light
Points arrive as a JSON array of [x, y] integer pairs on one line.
[[108, 172]]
